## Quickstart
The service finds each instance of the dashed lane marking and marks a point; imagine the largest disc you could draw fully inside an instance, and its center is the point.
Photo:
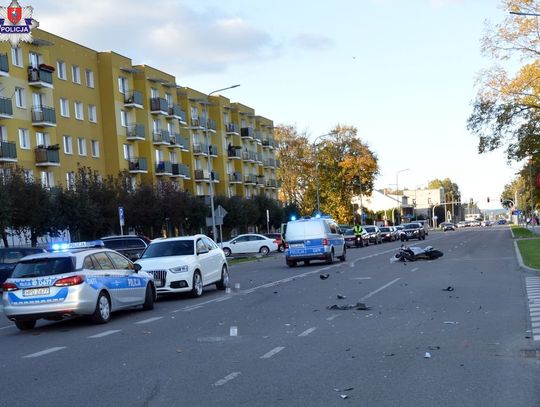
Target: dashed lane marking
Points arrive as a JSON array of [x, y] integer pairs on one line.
[[227, 379], [415, 269], [106, 333], [333, 317], [45, 352], [532, 284], [274, 351], [147, 321], [371, 294], [7, 327], [307, 332]]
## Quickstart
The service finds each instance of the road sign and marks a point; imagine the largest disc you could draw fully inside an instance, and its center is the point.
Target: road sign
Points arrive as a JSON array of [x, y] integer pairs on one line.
[[121, 215], [220, 212], [218, 220]]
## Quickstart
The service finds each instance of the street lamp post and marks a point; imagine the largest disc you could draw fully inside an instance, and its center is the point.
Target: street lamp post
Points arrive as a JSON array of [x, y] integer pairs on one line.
[[397, 191], [315, 146], [209, 161]]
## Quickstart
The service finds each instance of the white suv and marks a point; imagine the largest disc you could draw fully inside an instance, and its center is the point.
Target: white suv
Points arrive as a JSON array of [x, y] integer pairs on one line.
[[185, 264]]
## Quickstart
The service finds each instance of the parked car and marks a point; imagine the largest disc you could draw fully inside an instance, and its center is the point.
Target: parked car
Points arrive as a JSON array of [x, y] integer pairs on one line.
[[387, 235], [9, 256], [82, 280], [412, 231], [278, 238], [501, 222], [374, 234], [314, 239], [448, 227], [350, 238], [462, 224], [185, 264], [249, 243], [130, 246]]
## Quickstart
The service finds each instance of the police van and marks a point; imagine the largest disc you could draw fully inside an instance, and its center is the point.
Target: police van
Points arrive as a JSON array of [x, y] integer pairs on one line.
[[317, 238]]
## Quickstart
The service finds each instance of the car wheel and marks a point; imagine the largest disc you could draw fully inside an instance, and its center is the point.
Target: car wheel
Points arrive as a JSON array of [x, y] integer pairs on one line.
[[424, 237], [102, 313], [291, 263], [281, 248], [344, 255], [223, 283], [330, 258], [25, 324], [197, 285], [149, 298], [402, 238], [306, 262], [264, 251], [227, 252]]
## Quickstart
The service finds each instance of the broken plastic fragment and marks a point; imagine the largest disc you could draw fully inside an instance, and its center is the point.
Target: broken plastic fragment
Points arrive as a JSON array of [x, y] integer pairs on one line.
[[449, 288], [324, 276], [341, 297], [427, 355], [343, 396], [360, 306]]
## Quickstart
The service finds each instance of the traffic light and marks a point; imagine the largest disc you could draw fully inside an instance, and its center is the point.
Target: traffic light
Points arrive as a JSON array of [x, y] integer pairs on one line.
[[488, 199]]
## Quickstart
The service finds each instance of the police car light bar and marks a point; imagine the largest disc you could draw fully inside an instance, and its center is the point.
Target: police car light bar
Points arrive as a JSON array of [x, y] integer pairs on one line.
[[58, 247]]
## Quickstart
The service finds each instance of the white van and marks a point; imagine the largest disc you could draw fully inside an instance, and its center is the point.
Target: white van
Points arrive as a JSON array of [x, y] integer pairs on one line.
[[313, 239]]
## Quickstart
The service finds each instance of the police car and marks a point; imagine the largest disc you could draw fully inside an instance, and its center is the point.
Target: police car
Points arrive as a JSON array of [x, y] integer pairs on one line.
[[77, 279]]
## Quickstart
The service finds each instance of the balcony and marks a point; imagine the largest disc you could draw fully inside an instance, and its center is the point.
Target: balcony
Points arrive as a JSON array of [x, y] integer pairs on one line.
[[260, 181], [257, 136], [164, 168], [248, 156], [232, 129], [4, 65], [250, 179], [43, 116], [47, 157], [175, 140], [234, 153], [246, 133], [201, 175], [211, 125], [161, 137], [180, 170], [235, 178], [269, 162], [6, 108], [133, 99], [159, 106], [8, 152], [258, 158], [41, 77], [135, 132], [271, 183], [137, 165], [269, 142], [196, 123], [200, 149], [176, 112]]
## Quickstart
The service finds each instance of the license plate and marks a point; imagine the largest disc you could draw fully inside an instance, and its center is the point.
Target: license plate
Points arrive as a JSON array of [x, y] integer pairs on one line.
[[30, 292], [295, 245], [158, 283]]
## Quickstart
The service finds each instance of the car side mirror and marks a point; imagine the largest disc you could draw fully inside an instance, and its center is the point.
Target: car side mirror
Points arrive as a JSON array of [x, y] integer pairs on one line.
[[137, 267]]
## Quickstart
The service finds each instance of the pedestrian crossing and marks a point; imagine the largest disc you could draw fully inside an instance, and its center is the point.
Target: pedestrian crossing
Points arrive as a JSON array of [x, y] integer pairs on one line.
[[533, 293]]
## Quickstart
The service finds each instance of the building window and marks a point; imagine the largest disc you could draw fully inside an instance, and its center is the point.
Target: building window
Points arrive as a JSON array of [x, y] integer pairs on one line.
[[68, 145], [170, 128], [81, 146], [194, 113], [123, 118], [79, 114], [3, 133], [61, 70], [76, 74], [70, 180], [200, 190], [16, 57], [168, 98], [64, 107], [20, 98], [128, 151], [154, 93], [35, 59], [173, 157], [92, 116], [123, 85], [94, 145], [43, 139], [47, 179], [28, 175], [24, 139], [89, 78]]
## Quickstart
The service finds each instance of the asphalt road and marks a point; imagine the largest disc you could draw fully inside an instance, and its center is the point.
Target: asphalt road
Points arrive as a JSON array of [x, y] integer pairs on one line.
[[290, 350]]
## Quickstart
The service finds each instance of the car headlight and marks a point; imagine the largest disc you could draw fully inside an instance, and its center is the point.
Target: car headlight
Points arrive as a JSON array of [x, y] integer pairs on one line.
[[180, 269]]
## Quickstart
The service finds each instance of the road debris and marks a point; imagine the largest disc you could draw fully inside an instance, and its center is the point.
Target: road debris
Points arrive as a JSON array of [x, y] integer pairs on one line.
[[360, 306], [324, 276], [341, 297], [343, 396], [449, 288], [451, 322], [427, 355]]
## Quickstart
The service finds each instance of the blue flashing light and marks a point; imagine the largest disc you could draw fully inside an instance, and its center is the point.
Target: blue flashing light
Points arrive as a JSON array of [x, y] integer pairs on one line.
[[318, 215], [293, 217], [59, 247]]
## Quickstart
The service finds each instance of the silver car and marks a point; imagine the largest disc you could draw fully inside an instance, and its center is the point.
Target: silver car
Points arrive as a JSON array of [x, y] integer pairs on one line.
[[73, 282]]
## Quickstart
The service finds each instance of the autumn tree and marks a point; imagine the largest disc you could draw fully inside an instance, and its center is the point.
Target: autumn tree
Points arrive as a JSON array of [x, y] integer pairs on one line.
[[506, 112]]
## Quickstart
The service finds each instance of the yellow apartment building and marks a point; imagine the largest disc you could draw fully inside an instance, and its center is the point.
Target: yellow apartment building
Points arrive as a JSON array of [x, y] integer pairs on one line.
[[63, 105]]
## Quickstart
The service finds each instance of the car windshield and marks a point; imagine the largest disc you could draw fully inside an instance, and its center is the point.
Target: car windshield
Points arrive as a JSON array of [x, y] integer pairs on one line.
[[411, 226], [349, 232], [384, 229], [44, 267], [369, 229], [173, 248]]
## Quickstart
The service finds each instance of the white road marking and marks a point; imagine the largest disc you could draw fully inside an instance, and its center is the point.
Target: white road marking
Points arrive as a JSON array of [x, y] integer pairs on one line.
[[415, 269], [192, 308], [147, 321], [307, 332], [333, 317], [361, 278], [365, 297], [106, 333], [6, 327], [272, 352], [45, 352], [223, 299], [532, 286], [226, 379]]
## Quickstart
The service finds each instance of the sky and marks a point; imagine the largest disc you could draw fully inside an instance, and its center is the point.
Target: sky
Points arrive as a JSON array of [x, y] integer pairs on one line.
[[403, 72]]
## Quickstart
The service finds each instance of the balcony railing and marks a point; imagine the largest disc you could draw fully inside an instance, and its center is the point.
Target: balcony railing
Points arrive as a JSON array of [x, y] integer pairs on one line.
[[249, 156], [40, 77], [271, 183], [232, 128], [234, 153], [200, 149], [159, 106], [4, 65], [47, 156], [8, 151], [258, 157], [161, 137], [269, 142], [250, 179], [176, 112], [211, 124], [246, 132], [260, 180], [269, 162], [43, 116], [181, 170], [235, 177], [137, 164], [201, 175], [164, 168], [257, 135], [135, 132], [133, 99], [6, 108]]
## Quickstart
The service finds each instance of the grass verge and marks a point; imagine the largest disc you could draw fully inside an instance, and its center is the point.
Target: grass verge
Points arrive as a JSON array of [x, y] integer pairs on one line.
[[521, 232], [530, 252]]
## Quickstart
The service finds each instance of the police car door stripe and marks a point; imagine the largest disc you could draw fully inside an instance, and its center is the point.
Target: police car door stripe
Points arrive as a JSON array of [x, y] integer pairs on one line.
[[45, 352]]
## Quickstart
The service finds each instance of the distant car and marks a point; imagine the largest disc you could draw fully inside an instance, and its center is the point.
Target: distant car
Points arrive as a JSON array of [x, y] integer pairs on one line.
[[85, 279], [487, 223], [278, 238], [501, 222], [350, 238], [9, 257], [374, 234], [462, 224], [130, 246], [412, 231], [387, 234], [448, 226], [185, 264], [249, 243]]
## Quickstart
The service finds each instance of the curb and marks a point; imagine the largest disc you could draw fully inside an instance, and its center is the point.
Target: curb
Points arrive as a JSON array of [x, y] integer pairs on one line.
[[520, 259]]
